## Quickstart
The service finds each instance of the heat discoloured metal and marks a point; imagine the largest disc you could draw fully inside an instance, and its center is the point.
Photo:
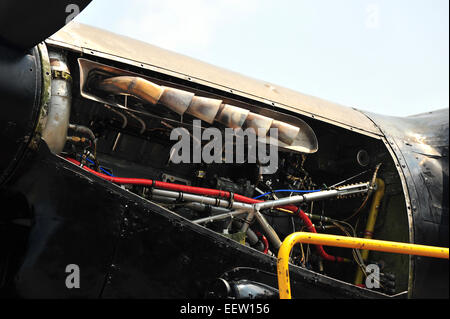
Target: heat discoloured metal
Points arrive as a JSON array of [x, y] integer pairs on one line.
[[286, 132], [204, 108], [177, 100], [232, 116], [135, 86], [209, 110], [261, 124]]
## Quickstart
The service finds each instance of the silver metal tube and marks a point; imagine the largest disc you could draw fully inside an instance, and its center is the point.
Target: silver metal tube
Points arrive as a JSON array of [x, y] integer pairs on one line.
[[360, 188], [163, 199], [193, 205], [204, 207], [279, 202], [268, 230], [55, 130], [203, 199], [321, 195], [241, 208], [247, 222], [219, 217]]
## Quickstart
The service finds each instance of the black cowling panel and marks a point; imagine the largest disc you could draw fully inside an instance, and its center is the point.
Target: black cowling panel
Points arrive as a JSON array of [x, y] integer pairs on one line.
[[23, 24], [20, 91]]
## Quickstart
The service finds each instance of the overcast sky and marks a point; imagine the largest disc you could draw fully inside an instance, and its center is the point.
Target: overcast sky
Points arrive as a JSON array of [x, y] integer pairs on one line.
[[386, 56]]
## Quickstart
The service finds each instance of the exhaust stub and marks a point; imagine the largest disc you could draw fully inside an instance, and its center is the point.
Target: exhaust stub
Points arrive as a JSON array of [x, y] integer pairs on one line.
[[210, 110], [204, 108]]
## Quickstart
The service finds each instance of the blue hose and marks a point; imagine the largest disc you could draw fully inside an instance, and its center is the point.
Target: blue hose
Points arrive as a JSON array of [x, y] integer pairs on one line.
[[101, 168]]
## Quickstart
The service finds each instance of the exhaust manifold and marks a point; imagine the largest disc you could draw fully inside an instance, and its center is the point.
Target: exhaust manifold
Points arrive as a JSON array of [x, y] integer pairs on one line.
[[209, 110]]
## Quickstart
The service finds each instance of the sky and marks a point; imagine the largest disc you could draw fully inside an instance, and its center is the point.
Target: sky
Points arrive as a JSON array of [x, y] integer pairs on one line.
[[384, 56]]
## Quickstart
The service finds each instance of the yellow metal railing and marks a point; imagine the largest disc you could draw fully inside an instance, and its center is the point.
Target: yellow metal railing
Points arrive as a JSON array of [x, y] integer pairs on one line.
[[284, 285]]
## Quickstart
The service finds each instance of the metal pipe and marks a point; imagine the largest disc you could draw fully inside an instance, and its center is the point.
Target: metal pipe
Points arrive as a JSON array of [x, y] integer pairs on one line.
[[124, 118], [225, 213], [124, 125], [297, 199], [219, 217], [250, 207], [136, 86], [247, 221], [241, 208], [252, 237], [177, 100], [232, 116], [204, 207], [284, 286], [244, 209], [269, 231], [286, 132], [260, 124], [360, 188], [204, 108], [203, 199], [193, 205], [163, 199], [137, 118], [55, 130]]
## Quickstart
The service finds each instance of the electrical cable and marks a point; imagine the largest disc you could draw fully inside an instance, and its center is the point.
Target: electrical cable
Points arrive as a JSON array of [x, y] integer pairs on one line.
[[101, 168], [356, 253]]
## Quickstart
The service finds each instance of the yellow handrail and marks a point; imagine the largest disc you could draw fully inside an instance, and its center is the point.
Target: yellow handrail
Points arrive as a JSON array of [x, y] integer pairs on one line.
[[284, 285]]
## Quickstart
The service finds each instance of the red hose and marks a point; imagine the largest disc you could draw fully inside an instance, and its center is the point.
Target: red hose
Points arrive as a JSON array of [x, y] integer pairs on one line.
[[207, 192], [264, 240]]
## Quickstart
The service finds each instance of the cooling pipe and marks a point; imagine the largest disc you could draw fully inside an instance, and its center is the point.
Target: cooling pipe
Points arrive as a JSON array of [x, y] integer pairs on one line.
[[211, 110]]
